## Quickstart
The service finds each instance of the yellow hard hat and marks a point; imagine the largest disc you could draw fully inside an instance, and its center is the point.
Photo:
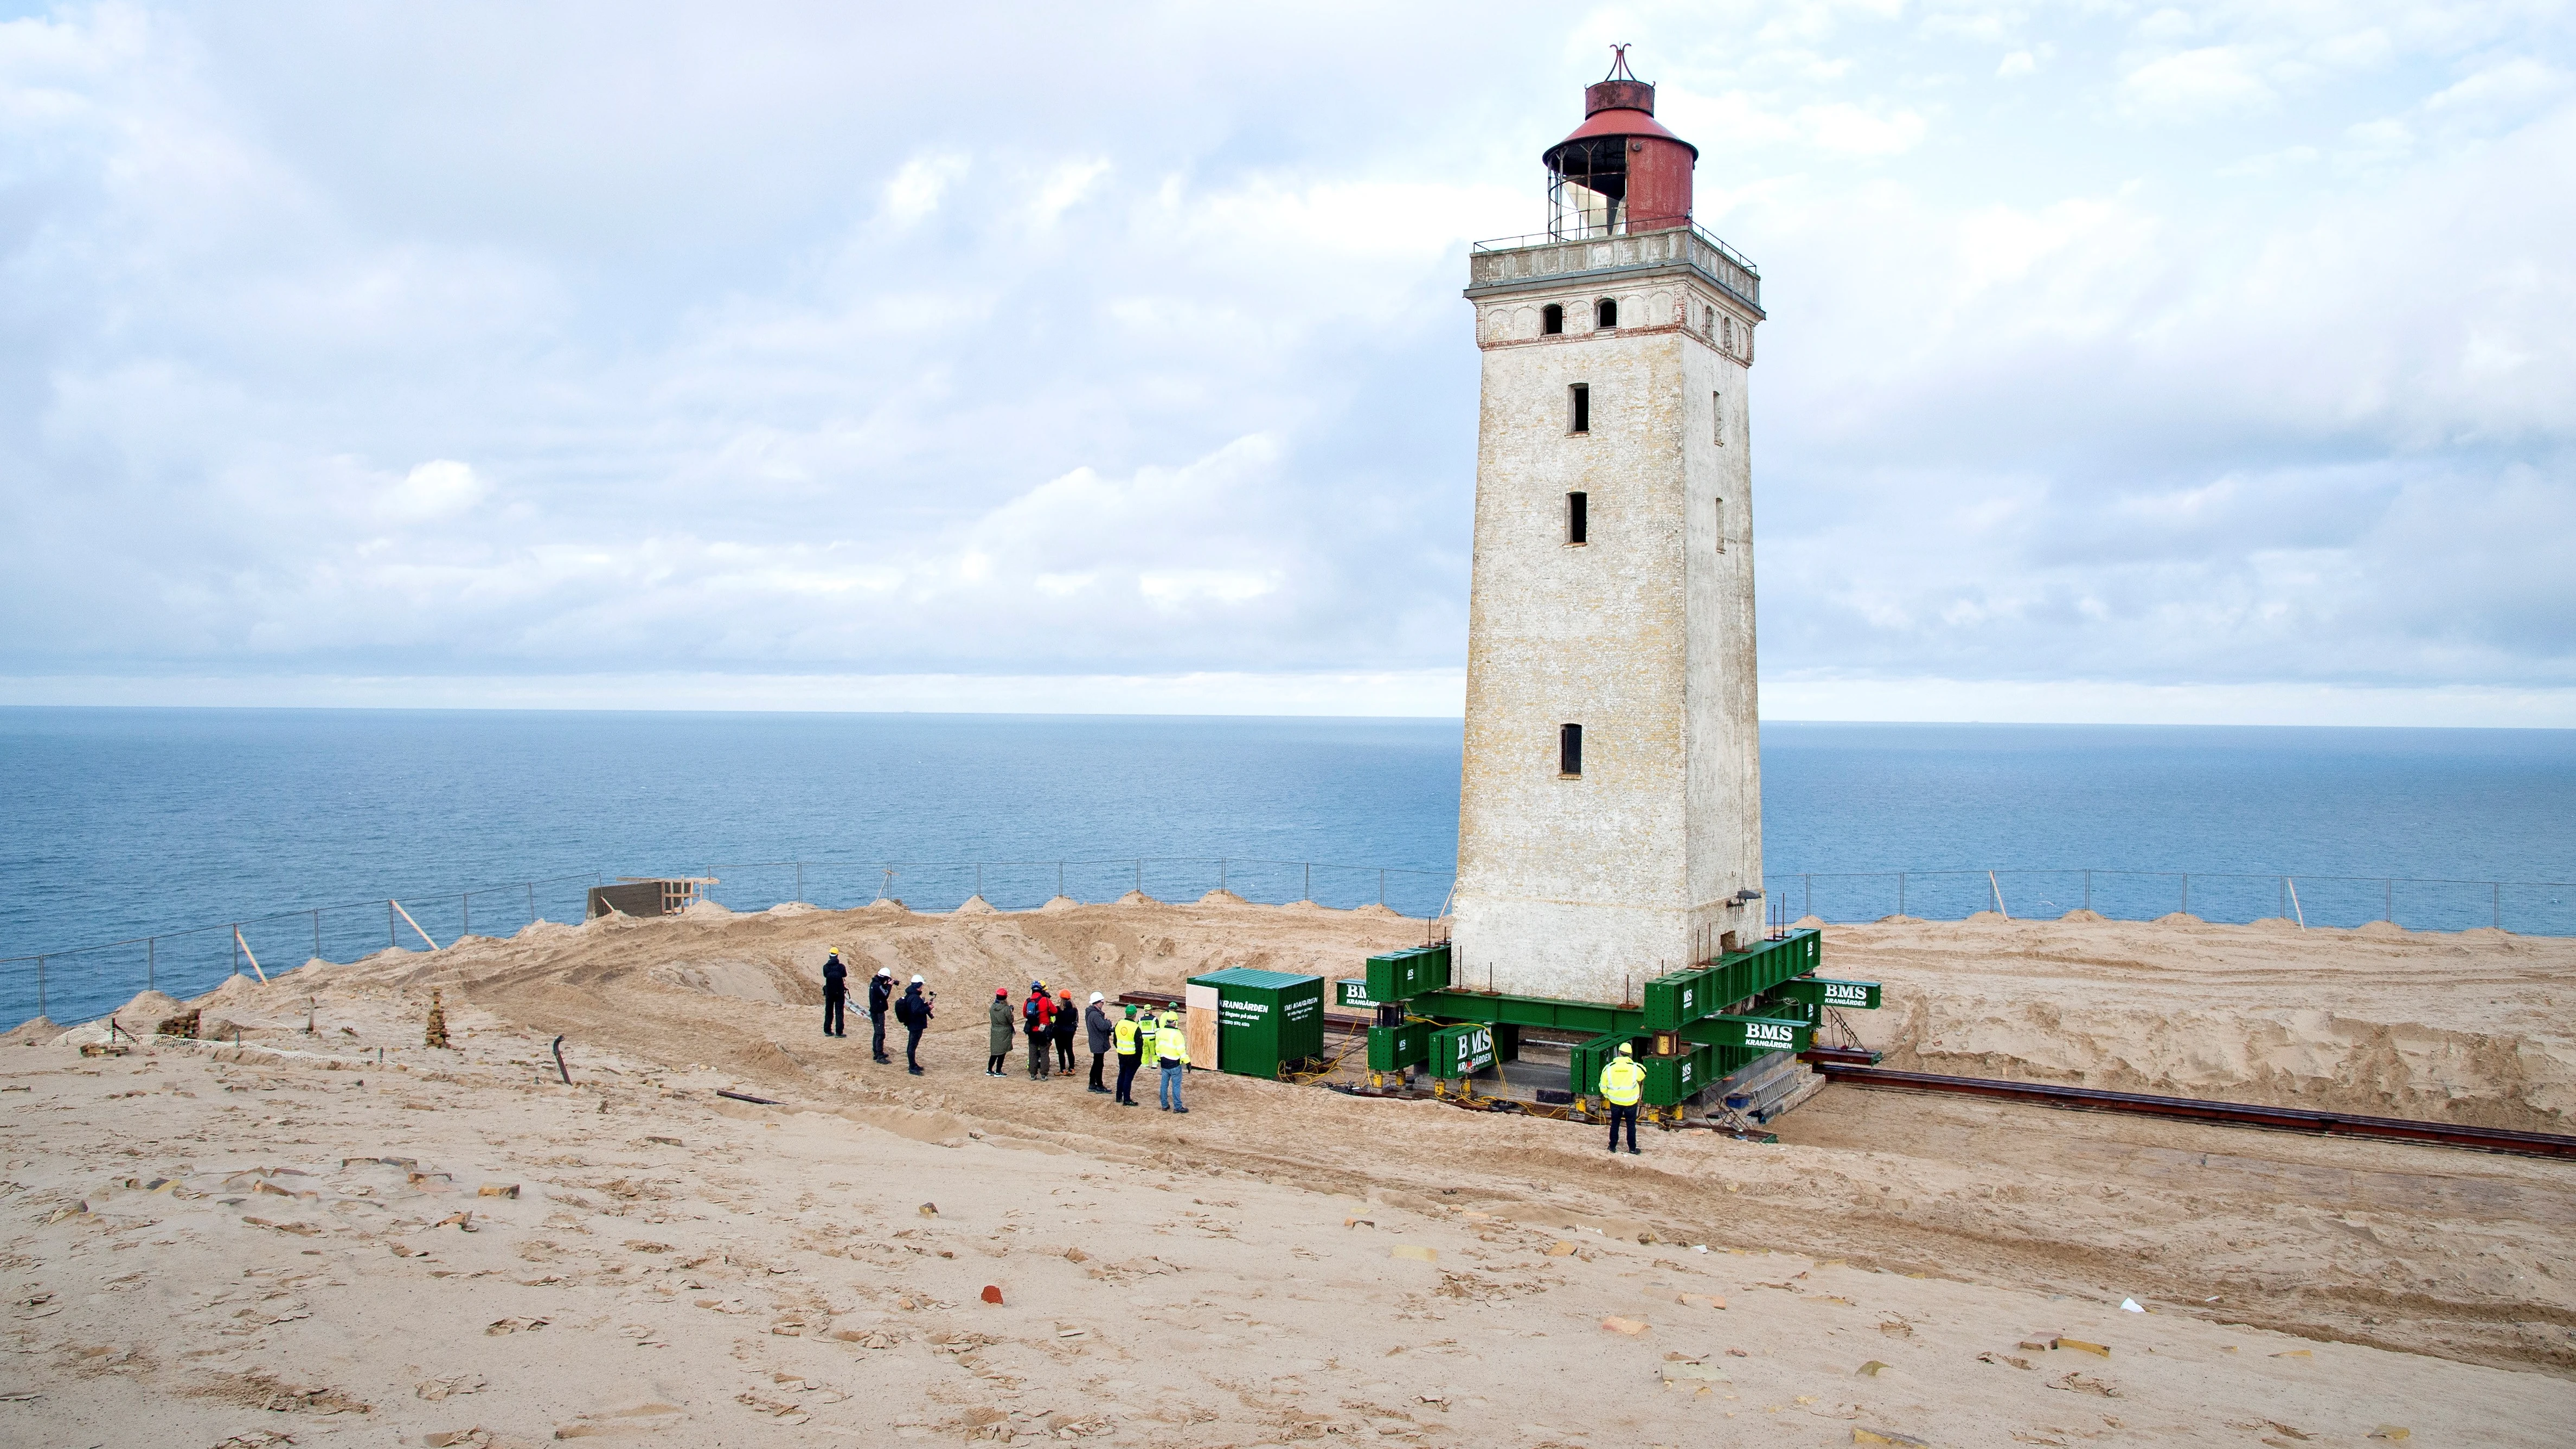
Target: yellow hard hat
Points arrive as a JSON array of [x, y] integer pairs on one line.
[[1627, 1049]]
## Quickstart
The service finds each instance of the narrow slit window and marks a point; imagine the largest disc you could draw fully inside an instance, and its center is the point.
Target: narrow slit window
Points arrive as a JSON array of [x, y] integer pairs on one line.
[[1721, 525], [1581, 394], [1569, 750], [1606, 314], [1577, 517], [1551, 320], [1717, 418]]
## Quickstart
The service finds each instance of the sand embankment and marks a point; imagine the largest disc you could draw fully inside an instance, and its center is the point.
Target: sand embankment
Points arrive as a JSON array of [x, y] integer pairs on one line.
[[2477, 1027], [263, 1240]]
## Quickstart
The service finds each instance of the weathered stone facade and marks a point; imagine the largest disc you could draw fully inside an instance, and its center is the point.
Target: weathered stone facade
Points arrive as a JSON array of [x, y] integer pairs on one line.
[[1586, 885]]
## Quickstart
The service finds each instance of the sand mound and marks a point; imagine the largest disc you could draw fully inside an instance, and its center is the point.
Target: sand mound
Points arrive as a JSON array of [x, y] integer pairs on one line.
[[545, 931], [975, 906], [706, 911], [34, 1031], [1138, 898], [1901, 921], [2081, 914], [234, 990], [147, 1010], [1380, 911], [1980, 917], [1060, 903], [2389, 930], [739, 979], [2315, 1019], [2276, 923], [1307, 907], [1222, 897], [2179, 918], [884, 906], [1808, 923], [791, 908]]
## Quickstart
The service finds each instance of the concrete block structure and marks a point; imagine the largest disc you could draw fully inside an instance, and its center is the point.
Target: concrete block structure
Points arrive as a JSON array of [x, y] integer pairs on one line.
[[1610, 816]]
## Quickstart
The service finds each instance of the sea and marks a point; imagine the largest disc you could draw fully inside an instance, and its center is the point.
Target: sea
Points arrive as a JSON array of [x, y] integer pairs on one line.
[[175, 846]]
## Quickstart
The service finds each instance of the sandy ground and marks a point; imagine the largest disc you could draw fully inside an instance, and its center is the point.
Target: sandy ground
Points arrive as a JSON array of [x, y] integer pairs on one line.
[[216, 1245]]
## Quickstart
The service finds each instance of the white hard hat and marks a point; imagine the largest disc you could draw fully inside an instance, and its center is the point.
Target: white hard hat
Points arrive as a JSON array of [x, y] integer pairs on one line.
[[916, 980], [1097, 998], [883, 971]]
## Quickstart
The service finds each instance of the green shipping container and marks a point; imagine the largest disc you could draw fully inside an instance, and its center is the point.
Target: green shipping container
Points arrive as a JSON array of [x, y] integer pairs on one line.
[[1265, 1019], [1403, 975], [1462, 1051]]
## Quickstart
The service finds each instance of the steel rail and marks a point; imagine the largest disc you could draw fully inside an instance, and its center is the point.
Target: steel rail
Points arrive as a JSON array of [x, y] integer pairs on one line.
[[2224, 1114]]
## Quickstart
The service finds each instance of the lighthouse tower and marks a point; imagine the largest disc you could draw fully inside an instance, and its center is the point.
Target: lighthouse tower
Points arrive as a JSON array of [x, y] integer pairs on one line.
[[1610, 811]]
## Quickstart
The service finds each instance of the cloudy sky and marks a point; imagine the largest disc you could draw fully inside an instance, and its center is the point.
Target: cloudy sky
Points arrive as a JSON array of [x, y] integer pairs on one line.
[[2125, 362]]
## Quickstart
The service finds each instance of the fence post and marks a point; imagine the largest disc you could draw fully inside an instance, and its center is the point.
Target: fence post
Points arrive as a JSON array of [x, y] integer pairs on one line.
[[317, 935], [1310, 880], [1140, 877], [2186, 893], [2088, 890], [151, 963], [800, 880], [236, 948], [1220, 872], [2388, 899], [1811, 894], [391, 940], [1381, 888], [2496, 903], [40, 986], [1059, 879], [532, 903], [1900, 893], [465, 912]]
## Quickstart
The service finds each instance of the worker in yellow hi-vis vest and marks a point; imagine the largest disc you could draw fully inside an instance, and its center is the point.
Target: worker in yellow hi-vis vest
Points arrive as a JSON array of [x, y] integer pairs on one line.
[[1128, 1036], [1172, 1054], [1623, 1085]]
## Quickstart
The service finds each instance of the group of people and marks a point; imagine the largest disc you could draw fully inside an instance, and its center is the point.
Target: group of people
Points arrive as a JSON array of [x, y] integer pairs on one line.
[[1136, 1038], [911, 1010]]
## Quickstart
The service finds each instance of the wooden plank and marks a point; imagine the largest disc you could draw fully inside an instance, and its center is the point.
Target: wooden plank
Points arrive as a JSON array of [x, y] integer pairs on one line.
[[1198, 1025]]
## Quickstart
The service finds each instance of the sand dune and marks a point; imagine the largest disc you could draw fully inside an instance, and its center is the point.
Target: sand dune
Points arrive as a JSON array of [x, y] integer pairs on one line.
[[290, 1240]]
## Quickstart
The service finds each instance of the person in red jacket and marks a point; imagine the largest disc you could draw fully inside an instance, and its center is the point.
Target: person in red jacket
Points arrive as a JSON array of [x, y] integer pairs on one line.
[[1037, 1017]]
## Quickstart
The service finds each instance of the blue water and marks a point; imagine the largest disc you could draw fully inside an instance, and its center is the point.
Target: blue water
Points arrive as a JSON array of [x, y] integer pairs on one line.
[[123, 822]]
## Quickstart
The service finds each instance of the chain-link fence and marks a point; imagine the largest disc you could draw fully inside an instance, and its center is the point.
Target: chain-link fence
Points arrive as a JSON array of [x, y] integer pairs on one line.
[[82, 983], [2531, 908]]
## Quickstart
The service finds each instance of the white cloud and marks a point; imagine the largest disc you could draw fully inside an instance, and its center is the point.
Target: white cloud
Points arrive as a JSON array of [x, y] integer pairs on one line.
[[915, 191], [2223, 349], [441, 488], [2211, 83]]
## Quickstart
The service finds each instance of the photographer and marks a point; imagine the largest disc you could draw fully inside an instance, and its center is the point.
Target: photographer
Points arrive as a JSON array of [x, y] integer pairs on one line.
[[914, 1011]]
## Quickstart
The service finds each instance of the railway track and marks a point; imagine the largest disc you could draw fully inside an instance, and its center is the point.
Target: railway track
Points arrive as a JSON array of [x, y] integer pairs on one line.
[[1858, 1068], [1844, 1069]]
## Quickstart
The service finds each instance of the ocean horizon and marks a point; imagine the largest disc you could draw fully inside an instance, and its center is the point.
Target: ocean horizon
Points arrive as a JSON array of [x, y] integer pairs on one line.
[[135, 822]]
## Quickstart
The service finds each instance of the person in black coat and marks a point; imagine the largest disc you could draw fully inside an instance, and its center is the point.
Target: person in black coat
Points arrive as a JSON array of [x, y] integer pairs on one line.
[[1067, 1022], [1096, 1024], [836, 991], [914, 1011], [880, 1001]]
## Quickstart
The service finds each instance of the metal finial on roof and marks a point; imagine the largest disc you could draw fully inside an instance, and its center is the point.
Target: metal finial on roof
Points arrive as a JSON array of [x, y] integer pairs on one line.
[[1619, 63]]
